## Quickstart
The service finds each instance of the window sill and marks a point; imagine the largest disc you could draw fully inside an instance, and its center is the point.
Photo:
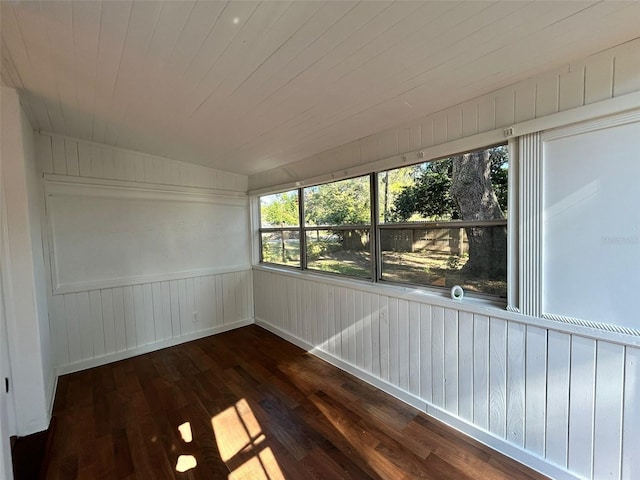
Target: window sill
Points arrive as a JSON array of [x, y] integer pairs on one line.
[[472, 305], [434, 296]]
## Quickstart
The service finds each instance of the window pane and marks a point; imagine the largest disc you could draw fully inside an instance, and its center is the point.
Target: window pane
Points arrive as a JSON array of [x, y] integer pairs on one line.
[[473, 257], [346, 202], [281, 247], [447, 189], [279, 210], [339, 251]]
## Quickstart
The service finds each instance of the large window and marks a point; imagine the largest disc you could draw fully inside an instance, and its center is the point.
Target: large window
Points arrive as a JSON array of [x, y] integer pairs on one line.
[[444, 222], [439, 223], [338, 227], [280, 229]]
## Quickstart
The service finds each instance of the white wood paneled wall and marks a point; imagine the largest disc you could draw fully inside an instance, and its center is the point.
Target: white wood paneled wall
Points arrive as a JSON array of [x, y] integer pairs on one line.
[[612, 73], [68, 156], [491, 375], [97, 326]]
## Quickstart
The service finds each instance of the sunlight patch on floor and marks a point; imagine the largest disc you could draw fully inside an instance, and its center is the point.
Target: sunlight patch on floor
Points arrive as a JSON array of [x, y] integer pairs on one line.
[[235, 429], [262, 467], [185, 432], [186, 462], [239, 436]]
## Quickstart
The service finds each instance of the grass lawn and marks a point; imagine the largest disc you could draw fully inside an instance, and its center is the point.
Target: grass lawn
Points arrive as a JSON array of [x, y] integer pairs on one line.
[[420, 268], [431, 268]]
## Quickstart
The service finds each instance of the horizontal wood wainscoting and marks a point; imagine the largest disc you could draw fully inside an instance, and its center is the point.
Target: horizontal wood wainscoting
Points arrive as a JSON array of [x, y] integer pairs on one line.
[[248, 405], [562, 403]]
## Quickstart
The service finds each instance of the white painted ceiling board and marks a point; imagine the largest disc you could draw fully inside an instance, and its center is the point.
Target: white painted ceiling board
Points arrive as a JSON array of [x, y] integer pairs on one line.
[[131, 79], [248, 86], [171, 25], [28, 47], [350, 91], [188, 90], [239, 93], [237, 64], [58, 26], [326, 73], [114, 19], [394, 107], [269, 77], [86, 26], [378, 86]]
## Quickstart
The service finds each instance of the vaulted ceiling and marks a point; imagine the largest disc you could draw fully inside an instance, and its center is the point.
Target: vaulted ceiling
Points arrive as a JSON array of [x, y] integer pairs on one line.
[[247, 86]]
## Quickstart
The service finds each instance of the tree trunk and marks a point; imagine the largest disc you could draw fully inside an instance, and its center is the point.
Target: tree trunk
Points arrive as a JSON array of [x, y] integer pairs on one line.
[[473, 195]]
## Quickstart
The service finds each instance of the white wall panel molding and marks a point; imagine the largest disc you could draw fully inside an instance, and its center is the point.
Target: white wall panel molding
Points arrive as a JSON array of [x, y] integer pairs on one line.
[[611, 120], [605, 108], [95, 187], [148, 279], [62, 155], [121, 233], [590, 249], [590, 324], [559, 401]]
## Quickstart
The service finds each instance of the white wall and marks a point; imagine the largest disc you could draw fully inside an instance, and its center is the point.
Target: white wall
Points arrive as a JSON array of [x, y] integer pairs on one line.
[[559, 397], [93, 323], [7, 409], [564, 403], [32, 376]]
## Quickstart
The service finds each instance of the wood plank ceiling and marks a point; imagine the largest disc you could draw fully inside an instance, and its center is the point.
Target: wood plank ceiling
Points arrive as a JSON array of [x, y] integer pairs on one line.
[[247, 86]]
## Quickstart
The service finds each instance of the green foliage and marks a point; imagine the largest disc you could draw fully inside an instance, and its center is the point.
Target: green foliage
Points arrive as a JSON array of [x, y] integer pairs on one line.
[[338, 203], [429, 196], [391, 184], [280, 210], [500, 174], [318, 248], [453, 262], [277, 249]]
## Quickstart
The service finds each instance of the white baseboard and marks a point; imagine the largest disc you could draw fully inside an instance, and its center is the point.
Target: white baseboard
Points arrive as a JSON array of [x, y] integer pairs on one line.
[[53, 388], [523, 456], [134, 352]]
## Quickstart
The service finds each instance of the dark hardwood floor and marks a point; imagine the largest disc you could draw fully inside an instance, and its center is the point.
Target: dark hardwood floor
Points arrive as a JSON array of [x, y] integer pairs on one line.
[[248, 405]]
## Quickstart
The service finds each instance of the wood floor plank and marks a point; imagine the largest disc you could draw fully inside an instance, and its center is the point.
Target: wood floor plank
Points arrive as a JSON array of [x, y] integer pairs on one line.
[[246, 404]]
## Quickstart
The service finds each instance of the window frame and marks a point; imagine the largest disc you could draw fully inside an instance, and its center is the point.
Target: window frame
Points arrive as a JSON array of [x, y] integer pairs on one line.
[[344, 227], [443, 224], [375, 227], [262, 230]]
